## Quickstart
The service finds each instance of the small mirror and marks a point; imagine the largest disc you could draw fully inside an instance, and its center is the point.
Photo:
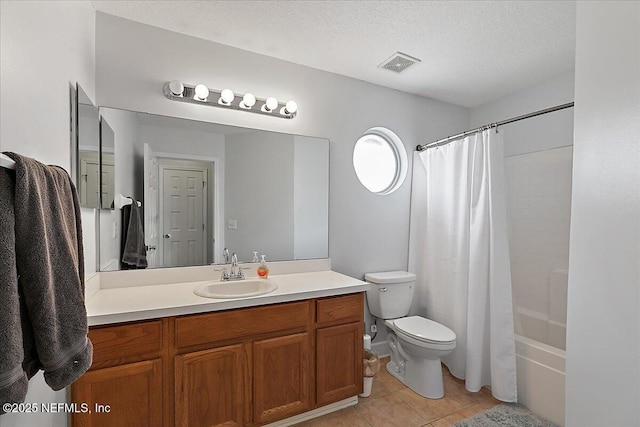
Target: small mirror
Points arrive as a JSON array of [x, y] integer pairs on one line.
[[88, 145]]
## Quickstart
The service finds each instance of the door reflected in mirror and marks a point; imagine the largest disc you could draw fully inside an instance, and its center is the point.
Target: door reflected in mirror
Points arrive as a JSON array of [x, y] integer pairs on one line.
[[206, 187]]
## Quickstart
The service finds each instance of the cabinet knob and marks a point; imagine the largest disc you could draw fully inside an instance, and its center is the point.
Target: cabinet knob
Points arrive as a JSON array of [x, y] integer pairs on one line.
[[167, 236]]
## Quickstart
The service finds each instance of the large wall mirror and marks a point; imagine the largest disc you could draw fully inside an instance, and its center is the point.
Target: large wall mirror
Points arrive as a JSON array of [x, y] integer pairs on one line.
[[206, 190]]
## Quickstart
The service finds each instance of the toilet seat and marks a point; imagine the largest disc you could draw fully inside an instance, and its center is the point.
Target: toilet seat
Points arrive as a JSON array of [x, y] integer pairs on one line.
[[425, 330]]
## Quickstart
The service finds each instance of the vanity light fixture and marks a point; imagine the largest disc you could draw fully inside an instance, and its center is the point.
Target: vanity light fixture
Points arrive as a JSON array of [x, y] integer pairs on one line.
[[226, 97], [176, 88], [270, 105], [290, 108], [202, 95], [248, 101]]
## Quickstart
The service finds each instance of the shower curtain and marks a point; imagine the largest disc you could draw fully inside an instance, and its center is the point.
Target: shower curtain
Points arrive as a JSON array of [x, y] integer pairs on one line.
[[460, 253]]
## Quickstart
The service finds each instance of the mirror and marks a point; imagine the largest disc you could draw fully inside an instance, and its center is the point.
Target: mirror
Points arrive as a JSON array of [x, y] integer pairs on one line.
[[205, 187], [87, 163], [107, 165]]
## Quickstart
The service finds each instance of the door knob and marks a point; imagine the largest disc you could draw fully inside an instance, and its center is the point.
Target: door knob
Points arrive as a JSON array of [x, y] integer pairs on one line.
[[167, 236]]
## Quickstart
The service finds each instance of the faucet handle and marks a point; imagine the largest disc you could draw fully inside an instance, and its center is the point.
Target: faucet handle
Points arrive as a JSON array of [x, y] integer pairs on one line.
[[224, 275]]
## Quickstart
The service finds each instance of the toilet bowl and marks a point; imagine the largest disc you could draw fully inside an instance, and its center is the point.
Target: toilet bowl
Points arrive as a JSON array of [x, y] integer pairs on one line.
[[417, 344]]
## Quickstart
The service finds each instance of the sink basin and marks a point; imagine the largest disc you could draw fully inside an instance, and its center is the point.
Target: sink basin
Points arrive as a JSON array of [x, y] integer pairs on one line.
[[236, 289]]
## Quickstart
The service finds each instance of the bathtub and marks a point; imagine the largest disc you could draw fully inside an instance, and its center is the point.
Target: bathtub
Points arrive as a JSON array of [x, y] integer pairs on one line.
[[541, 378], [541, 327], [540, 352]]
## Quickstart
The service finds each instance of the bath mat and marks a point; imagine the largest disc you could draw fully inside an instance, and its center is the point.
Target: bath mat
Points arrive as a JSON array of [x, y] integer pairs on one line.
[[506, 415]]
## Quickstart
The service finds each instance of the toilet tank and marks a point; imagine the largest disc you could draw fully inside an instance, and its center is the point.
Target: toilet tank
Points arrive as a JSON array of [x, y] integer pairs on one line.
[[390, 293]]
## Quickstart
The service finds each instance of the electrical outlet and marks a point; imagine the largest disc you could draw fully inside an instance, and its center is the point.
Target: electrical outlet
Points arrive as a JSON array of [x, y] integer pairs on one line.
[[374, 328]]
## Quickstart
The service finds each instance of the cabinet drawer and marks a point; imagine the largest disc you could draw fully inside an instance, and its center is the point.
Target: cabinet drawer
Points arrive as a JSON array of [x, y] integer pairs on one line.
[[240, 323], [341, 309], [117, 342]]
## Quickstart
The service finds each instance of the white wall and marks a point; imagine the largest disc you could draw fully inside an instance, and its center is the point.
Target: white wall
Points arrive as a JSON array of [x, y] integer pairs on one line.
[[169, 139], [45, 47], [367, 232], [259, 195], [551, 130], [128, 150], [310, 197], [603, 319]]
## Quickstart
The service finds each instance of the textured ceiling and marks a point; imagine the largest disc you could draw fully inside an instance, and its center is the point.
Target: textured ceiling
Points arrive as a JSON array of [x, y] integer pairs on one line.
[[472, 52]]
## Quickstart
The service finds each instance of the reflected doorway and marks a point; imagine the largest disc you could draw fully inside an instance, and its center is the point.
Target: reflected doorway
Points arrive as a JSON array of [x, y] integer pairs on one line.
[[183, 212]]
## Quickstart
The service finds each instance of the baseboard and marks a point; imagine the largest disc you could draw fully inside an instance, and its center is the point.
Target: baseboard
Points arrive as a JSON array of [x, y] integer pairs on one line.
[[315, 413]]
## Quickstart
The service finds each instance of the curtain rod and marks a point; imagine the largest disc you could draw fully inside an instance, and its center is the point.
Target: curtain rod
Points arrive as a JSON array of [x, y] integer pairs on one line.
[[423, 147]]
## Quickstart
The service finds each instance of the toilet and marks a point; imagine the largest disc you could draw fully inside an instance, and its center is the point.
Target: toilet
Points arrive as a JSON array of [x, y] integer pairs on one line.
[[417, 344]]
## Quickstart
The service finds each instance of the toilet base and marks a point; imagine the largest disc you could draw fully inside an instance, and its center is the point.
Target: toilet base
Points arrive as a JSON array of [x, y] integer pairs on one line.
[[423, 376]]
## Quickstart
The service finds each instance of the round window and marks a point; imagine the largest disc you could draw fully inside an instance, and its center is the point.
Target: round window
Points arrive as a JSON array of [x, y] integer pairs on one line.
[[380, 160]]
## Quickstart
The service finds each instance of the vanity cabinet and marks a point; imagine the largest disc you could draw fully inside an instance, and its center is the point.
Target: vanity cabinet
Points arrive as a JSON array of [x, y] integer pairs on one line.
[[281, 377], [210, 387], [241, 367], [339, 348], [124, 385]]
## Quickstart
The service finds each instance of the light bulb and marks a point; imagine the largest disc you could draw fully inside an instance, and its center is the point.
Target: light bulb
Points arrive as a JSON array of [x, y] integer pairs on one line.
[[226, 97], [201, 92], [291, 107], [248, 101], [270, 105], [176, 87]]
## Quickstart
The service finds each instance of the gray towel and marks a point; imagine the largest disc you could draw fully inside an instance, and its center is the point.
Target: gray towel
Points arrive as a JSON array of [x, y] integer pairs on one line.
[[134, 252], [50, 265], [13, 380]]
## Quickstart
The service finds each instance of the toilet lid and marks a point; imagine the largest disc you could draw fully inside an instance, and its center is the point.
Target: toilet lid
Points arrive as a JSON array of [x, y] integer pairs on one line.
[[424, 329]]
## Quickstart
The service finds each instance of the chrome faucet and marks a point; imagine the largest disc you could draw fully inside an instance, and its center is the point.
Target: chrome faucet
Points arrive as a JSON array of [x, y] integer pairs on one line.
[[234, 265], [236, 272]]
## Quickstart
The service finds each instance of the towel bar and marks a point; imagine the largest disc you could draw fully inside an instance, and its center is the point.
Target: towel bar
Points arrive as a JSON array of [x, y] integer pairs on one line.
[[121, 201], [6, 162]]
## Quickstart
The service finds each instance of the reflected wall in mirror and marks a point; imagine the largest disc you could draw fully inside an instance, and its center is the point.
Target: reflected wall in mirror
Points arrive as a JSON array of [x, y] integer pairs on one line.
[[88, 154], [107, 165], [206, 187]]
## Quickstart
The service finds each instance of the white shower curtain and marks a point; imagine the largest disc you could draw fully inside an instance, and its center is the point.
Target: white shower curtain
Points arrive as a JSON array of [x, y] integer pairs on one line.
[[459, 251]]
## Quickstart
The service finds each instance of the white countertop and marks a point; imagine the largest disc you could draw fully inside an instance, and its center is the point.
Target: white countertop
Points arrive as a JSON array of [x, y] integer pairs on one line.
[[125, 304]]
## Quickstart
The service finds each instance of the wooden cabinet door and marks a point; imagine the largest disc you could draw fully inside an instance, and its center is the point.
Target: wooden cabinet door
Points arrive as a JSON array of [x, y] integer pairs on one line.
[[211, 387], [130, 395], [281, 377], [339, 362]]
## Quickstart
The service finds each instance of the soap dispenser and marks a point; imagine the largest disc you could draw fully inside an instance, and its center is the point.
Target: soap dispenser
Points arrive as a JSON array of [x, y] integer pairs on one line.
[[263, 270], [255, 257]]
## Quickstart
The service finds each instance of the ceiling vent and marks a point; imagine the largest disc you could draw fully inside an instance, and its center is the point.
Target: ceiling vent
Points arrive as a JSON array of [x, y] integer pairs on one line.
[[399, 62]]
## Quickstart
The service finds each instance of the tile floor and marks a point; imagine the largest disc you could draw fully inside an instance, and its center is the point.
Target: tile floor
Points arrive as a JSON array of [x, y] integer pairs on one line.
[[393, 404]]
